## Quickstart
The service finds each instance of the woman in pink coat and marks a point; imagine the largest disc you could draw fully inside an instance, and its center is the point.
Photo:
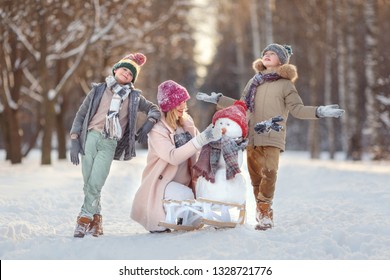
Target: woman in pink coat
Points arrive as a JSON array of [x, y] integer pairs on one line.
[[173, 146]]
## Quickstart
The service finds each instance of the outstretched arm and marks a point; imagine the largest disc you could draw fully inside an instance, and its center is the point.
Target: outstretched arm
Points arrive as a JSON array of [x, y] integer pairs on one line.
[[329, 111], [212, 98]]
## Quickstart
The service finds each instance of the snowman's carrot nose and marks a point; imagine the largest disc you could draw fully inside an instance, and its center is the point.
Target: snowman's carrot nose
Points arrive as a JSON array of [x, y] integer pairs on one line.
[[223, 130]]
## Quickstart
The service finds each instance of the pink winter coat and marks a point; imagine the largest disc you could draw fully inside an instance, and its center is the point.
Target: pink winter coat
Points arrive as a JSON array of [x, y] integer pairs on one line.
[[161, 167]]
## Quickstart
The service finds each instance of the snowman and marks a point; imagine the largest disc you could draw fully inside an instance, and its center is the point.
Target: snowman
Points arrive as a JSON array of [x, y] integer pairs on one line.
[[220, 186]]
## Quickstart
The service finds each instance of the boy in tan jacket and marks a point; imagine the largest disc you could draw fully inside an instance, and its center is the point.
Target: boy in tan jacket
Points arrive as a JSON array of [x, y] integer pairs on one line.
[[271, 92]]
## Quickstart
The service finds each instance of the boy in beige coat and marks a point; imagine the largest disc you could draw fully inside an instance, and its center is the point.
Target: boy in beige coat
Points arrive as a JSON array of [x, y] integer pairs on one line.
[[173, 146], [271, 92]]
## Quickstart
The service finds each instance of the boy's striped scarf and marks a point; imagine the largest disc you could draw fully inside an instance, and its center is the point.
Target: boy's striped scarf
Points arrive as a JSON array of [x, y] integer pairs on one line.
[[112, 128]]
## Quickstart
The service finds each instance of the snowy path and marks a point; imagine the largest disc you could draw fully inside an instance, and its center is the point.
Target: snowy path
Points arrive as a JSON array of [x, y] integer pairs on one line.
[[324, 210]]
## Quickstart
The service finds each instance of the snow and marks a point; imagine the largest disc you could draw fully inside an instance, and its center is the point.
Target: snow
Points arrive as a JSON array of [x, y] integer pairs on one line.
[[323, 210]]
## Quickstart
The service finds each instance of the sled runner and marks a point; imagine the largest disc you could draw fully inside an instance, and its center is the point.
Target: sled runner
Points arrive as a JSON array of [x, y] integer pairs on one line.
[[217, 213], [182, 215]]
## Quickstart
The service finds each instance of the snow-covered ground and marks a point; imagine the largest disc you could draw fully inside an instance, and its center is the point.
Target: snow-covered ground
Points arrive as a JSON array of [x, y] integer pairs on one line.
[[323, 210]]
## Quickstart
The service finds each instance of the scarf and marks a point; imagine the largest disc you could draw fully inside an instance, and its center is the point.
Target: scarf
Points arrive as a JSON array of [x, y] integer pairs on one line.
[[207, 164], [258, 80], [112, 128], [182, 138]]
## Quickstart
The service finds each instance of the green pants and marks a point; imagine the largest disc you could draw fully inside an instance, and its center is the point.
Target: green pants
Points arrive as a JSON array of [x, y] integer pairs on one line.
[[96, 163]]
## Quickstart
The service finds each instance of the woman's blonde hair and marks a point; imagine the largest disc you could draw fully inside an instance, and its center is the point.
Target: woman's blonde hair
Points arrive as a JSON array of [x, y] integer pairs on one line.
[[173, 119]]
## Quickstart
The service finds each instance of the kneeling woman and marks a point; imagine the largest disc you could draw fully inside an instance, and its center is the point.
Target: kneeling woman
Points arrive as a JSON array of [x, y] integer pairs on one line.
[[173, 147]]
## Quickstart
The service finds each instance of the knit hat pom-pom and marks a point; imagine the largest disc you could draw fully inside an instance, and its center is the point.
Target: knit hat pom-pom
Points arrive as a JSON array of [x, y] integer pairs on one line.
[[242, 104], [289, 49], [138, 58]]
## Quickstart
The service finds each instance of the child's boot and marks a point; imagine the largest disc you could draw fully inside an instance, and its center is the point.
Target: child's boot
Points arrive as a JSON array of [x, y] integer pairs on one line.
[[264, 215], [82, 226], [96, 226]]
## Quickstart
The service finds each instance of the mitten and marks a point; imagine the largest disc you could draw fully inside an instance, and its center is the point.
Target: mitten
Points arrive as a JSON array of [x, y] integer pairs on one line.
[[332, 111], [75, 149], [142, 133], [266, 126], [212, 98], [210, 134]]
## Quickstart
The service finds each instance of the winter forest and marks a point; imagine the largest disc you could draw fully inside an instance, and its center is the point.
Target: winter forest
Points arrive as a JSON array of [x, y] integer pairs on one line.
[[51, 52]]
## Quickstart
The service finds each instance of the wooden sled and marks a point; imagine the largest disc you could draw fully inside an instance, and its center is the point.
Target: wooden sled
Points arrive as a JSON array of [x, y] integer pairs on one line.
[[182, 215], [217, 213]]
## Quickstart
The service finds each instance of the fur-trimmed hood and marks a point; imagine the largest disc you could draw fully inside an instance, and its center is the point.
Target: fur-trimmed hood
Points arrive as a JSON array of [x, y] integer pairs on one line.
[[286, 71]]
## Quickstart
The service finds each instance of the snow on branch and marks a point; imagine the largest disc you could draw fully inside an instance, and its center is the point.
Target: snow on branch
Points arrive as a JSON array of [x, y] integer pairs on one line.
[[72, 31], [31, 94], [11, 103], [149, 27], [383, 99], [23, 39], [96, 36], [385, 118], [35, 85]]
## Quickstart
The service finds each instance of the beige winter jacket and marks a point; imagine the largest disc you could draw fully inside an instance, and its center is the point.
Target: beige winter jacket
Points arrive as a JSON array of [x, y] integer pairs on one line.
[[161, 167], [273, 99]]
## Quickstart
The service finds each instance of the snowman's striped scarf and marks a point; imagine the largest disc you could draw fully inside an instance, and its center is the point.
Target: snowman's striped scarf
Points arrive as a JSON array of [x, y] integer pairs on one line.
[[207, 163]]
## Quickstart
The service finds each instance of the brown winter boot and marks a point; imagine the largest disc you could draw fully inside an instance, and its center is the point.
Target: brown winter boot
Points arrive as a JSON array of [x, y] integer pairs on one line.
[[264, 215], [82, 226], [96, 227]]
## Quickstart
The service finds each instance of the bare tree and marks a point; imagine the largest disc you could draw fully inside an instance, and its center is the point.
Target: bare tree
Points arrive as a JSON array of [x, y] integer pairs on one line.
[[11, 64], [341, 67], [372, 75], [58, 36], [255, 27], [328, 76], [269, 31]]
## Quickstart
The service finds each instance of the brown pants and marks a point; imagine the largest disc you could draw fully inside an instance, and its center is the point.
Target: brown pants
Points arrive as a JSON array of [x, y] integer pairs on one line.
[[263, 165]]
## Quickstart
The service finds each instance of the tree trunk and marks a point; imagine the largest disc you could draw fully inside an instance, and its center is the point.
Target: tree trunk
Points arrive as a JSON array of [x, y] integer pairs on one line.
[[59, 113], [238, 31], [61, 132], [341, 71], [354, 120], [9, 97], [328, 78], [269, 33], [314, 128], [256, 44], [371, 73], [48, 114]]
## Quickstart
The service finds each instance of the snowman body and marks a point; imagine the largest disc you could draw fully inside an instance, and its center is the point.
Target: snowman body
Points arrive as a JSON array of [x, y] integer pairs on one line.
[[224, 190]]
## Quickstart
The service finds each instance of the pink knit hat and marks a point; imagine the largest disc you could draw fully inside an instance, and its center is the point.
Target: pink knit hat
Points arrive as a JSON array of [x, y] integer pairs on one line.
[[170, 94], [235, 112]]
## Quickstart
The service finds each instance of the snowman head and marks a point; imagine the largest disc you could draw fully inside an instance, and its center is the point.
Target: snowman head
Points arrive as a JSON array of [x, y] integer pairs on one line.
[[229, 127], [232, 120]]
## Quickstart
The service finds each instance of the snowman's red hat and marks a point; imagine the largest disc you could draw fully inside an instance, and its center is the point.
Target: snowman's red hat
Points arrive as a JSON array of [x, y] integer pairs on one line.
[[235, 112]]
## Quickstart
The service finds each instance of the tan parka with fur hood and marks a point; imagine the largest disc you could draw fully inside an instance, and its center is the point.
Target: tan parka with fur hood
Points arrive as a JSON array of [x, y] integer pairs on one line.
[[277, 98]]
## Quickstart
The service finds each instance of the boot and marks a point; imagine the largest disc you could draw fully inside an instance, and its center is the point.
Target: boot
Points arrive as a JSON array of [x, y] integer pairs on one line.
[[82, 226], [96, 226], [264, 215]]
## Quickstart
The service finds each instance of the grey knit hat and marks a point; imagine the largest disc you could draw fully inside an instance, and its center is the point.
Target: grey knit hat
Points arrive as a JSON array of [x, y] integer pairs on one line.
[[284, 52]]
